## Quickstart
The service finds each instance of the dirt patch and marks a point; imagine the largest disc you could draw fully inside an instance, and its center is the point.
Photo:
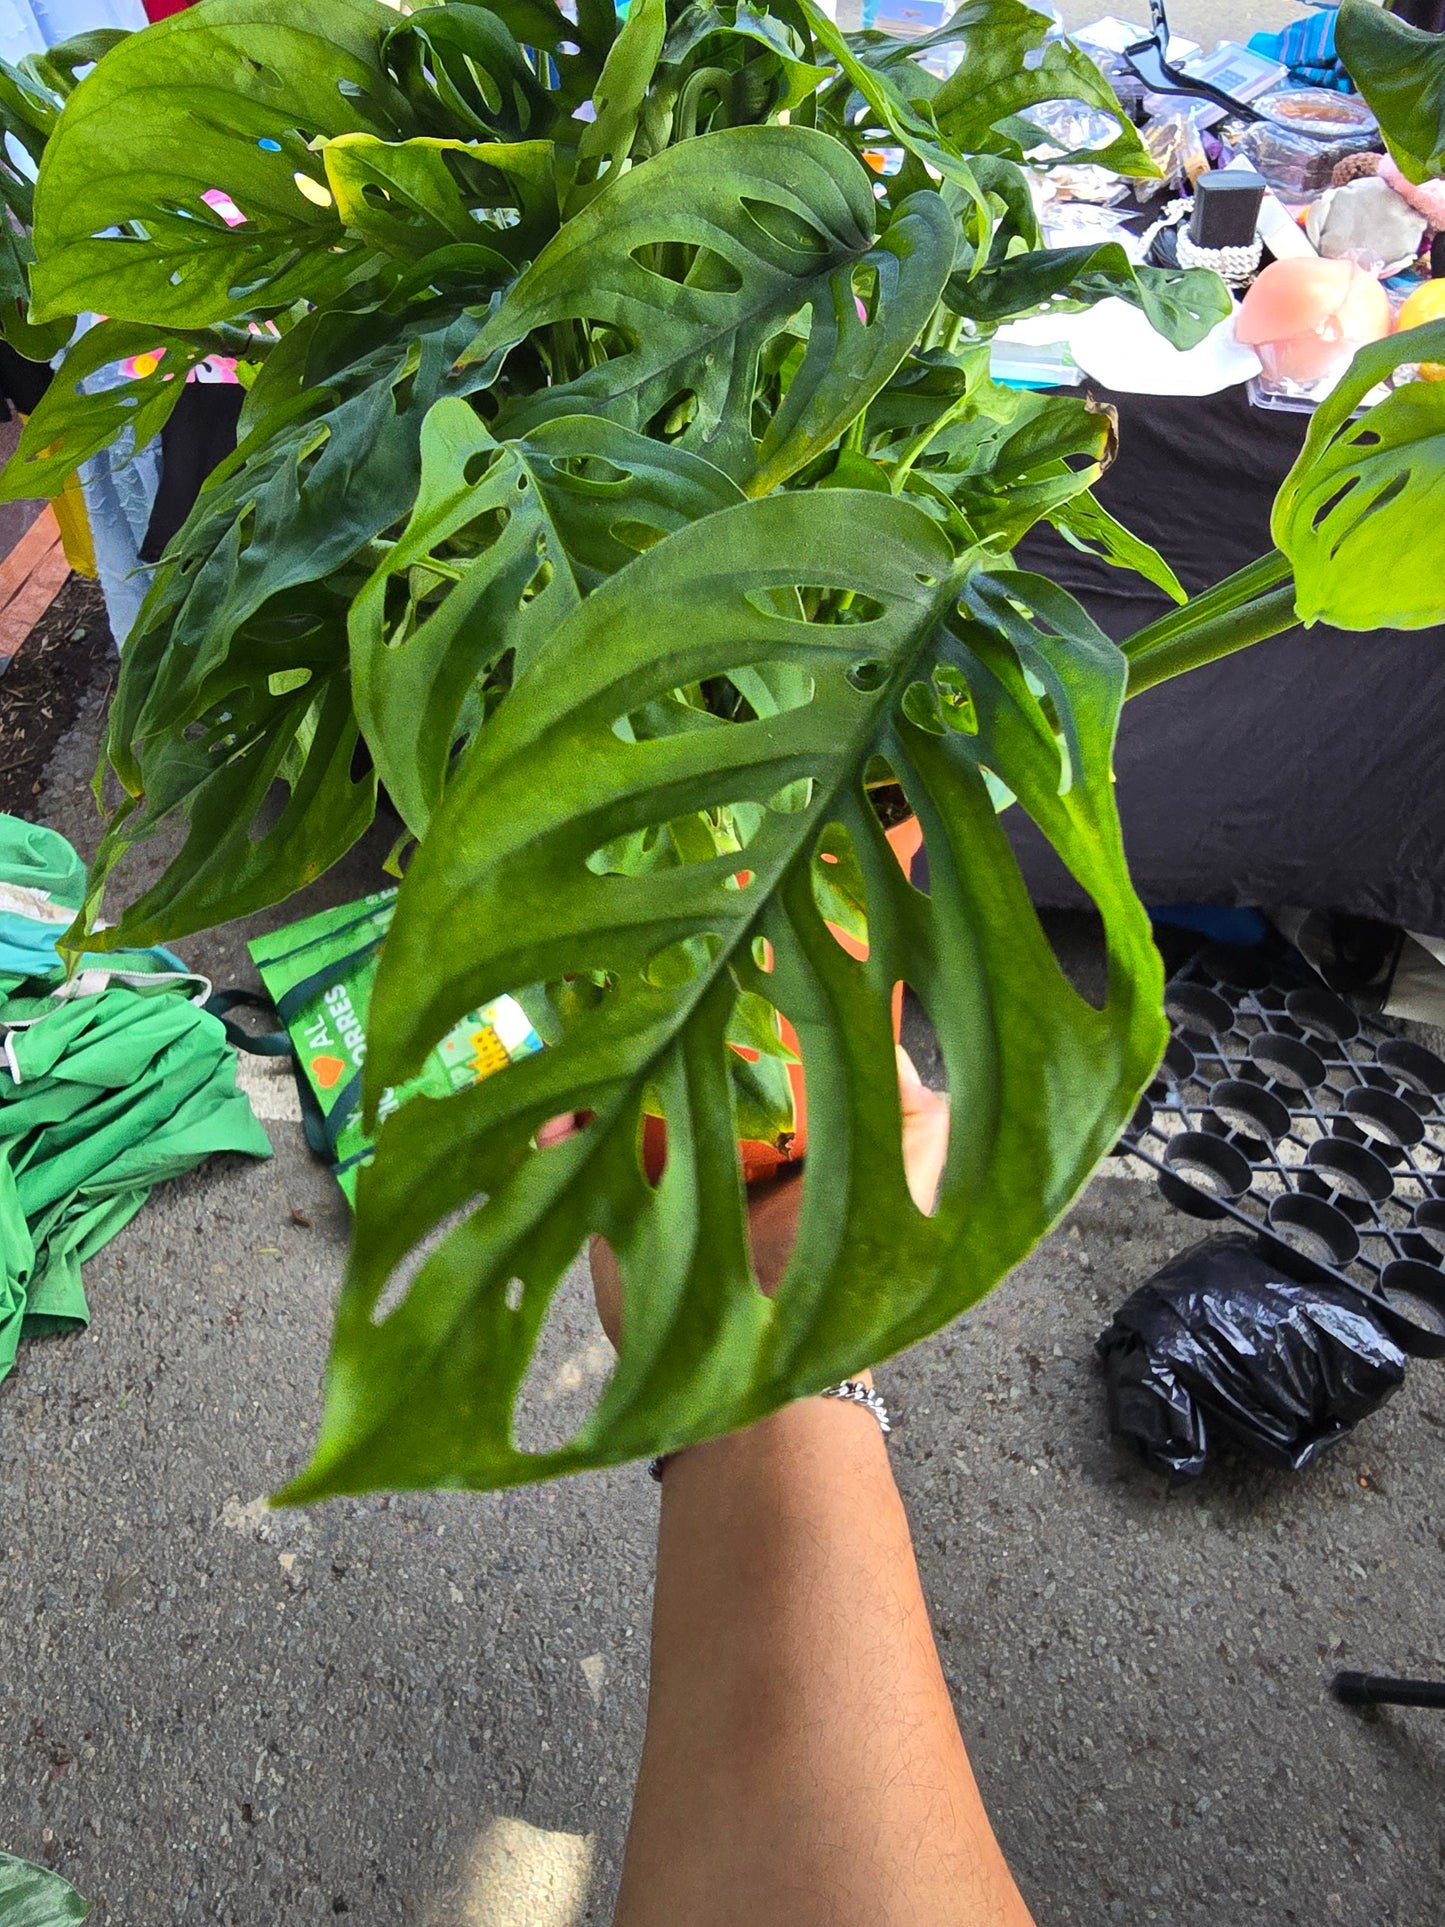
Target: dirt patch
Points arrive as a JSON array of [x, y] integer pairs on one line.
[[66, 656]]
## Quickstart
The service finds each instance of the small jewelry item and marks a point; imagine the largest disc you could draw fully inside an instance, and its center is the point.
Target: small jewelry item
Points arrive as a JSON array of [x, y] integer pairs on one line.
[[851, 1389], [857, 1393]]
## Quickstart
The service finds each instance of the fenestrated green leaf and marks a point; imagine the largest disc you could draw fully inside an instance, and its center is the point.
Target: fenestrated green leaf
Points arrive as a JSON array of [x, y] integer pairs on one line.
[[902, 121], [208, 711], [58, 68], [851, 353], [246, 85], [1087, 524], [1400, 70], [28, 111], [754, 63], [70, 425], [32, 1896], [1002, 72], [501, 894], [1012, 456], [448, 92], [216, 771], [1182, 304], [503, 542], [401, 197], [465, 74], [783, 217], [605, 143], [1361, 515], [287, 509]]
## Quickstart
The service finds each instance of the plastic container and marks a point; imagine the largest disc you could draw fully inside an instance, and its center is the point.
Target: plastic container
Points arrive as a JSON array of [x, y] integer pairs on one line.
[[1279, 1107]]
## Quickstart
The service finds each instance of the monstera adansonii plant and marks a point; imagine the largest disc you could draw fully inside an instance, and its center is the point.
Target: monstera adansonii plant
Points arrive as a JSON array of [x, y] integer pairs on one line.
[[622, 491]]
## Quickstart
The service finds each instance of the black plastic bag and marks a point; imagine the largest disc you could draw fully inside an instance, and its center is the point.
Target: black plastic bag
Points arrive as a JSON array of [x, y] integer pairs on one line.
[[1220, 1341]]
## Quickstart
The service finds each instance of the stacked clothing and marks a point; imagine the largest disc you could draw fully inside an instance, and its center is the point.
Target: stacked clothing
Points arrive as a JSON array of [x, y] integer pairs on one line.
[[1307, 48], [111, 1080]]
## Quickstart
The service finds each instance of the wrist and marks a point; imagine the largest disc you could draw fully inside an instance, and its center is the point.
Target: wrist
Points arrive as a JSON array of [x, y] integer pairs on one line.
[[832, 1422]]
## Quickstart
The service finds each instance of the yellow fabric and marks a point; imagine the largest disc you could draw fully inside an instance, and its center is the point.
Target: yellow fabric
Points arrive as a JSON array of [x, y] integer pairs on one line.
[[74, 523], [74, 526]]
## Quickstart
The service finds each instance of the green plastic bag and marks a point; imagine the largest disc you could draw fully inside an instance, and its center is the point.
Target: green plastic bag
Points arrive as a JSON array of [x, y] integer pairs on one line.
[[110, 1082], [319, 974]]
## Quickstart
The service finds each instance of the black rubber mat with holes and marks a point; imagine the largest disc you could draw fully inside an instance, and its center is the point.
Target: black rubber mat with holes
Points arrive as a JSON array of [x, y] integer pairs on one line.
[[1279, 1107]]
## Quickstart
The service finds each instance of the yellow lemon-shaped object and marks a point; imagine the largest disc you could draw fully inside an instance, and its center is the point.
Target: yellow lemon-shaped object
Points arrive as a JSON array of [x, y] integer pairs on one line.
[[1427, 303]]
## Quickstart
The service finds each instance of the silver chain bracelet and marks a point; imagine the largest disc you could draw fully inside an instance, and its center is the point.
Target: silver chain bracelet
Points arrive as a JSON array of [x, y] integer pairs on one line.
[[857, 1393], [851, 1389]]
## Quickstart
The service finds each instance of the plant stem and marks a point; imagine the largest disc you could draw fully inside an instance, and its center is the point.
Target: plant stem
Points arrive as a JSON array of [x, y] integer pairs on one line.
[[1256, 602], [914, 448]]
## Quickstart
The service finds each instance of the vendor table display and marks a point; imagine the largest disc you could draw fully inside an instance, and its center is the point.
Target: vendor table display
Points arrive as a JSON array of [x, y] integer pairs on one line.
[[1314, 773]]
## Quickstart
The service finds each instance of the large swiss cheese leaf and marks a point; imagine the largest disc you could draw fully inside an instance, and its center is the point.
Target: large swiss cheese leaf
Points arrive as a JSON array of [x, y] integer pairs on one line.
[[221, 98], [1182, 304], [1361, 515], [73, 421], [757, 224], [504, 541], [1006, 65], [237, 673], [506, 892]]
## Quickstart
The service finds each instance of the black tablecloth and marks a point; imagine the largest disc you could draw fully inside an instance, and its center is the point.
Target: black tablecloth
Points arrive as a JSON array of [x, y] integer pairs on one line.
[[1308, 770]]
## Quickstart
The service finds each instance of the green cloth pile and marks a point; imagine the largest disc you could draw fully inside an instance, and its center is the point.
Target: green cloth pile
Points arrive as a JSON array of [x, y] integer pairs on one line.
[[109, 1084]]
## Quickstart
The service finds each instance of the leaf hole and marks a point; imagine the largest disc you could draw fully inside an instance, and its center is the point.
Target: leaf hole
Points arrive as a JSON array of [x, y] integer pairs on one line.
[[637, 536], [541, 580], [674, 417], [919, 1037], [956, 706], [793, 797], [761, 690], [724, 830], [884, 793], [1391, 492], [682, 265], [785, 228], [595, 469], [760, 1069], [920, 706], [479, 465], [568, 1371], [865, 290], [512, 1296], [312, 190], [839, 889], [398, 1286], [822, 604], [1332, 502], [867, 677]]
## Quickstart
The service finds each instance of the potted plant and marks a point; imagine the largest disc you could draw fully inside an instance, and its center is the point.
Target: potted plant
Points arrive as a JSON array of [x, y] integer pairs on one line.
[[622, 487]]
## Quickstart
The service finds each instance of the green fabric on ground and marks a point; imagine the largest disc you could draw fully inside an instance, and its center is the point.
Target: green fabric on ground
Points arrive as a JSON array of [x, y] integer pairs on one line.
[[102, 1097]]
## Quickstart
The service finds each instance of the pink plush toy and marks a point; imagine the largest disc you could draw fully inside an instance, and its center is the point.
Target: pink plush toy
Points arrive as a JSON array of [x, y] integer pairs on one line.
[[1428, 198]]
